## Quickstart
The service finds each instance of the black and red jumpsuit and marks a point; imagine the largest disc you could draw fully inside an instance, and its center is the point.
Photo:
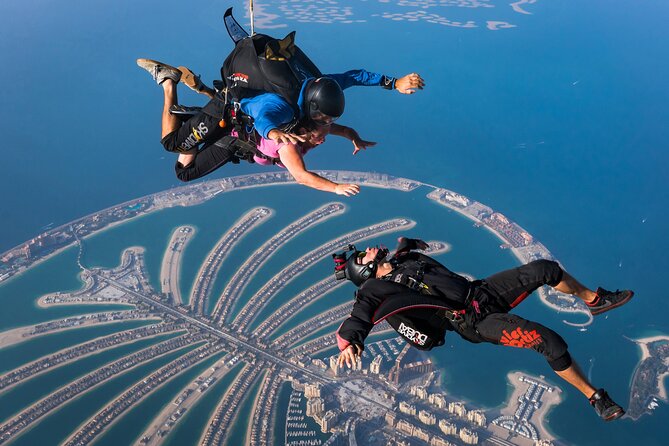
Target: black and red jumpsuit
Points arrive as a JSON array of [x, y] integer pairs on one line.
[[419, 317]]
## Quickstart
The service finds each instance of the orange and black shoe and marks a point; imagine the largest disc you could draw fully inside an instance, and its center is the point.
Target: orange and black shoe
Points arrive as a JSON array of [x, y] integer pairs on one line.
[[608, 300], [605, 407]]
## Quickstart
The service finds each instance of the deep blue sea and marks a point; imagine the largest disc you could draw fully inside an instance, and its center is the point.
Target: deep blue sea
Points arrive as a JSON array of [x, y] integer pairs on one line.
[[558, 122]]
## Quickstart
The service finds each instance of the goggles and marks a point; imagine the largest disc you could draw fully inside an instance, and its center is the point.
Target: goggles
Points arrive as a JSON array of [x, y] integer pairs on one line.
[[321, 119]]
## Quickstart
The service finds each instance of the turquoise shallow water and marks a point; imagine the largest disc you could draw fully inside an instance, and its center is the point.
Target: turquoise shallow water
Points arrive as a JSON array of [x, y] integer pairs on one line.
[[61, 423], [24, 394], [280, 421], [466, 368], [558, 122], [15, 355], [238, 434], [134, 422], [196, 419]]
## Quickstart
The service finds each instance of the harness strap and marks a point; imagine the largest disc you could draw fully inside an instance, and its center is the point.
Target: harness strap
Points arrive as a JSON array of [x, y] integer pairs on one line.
[[247, 144], [456, 316], [413, 281], [465, 318]]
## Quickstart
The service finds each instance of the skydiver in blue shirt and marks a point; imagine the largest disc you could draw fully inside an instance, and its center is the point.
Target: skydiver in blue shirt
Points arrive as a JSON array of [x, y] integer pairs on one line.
[[205, 140], [321, 100]]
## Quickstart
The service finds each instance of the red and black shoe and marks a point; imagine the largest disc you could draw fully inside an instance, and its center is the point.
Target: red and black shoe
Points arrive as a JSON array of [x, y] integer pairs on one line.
[[605, 407], [608, 300]]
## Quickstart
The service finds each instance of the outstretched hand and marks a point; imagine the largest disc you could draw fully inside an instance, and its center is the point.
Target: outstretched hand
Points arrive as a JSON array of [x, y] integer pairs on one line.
[[347, 189], [410, 83], [349, 356], [286, 138], [360, 144]]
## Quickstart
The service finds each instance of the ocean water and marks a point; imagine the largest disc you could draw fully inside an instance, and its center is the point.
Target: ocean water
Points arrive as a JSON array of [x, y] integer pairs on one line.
[[239, 431], [559, 123], [134, 422], [23, 395], [152, 232], [60, 423], [27, 351], [196, 419]]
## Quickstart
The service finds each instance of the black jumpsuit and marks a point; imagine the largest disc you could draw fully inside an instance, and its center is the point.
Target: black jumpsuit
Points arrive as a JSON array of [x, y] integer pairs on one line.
[[495, 296]]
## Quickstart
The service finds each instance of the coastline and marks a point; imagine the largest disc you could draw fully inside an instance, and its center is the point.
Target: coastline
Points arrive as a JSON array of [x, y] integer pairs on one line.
[[90, 353], [254, 407], [223, 185], [247, 263], [22, 334], [41, 304], [538, 418], [214, 255], [183, 350], [515, 251], [75, 243], [645, 354], [91, 388], [170, 267], [190, 401]]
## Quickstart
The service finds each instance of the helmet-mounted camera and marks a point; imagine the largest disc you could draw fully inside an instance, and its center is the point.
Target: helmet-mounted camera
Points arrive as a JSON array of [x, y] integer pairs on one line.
[[352, 268]]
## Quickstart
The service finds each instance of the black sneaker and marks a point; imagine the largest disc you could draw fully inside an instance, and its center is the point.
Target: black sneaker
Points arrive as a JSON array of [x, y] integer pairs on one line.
[[605, 407], [608, 300]]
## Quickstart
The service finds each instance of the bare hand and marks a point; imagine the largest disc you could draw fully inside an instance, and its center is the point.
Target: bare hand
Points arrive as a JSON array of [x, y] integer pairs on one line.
[[286, 138], [409, 83], [349, 356], [361, 144], [347, 189]]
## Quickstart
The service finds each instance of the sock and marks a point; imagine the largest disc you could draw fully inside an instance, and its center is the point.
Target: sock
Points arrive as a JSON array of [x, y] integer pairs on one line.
[[594, 302]]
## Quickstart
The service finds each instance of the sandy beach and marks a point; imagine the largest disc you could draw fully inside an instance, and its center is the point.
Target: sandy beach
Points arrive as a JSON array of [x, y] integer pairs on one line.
[[42, 304], [645, 354], [643, 341], [214, 255], [171, 265], [89, 353], [191, 400], [21, 334], [548, 400], [263, 249]]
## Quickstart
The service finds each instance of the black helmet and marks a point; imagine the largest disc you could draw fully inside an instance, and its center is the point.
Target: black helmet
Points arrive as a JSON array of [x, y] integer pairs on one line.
[[324, 100], [349, 268]]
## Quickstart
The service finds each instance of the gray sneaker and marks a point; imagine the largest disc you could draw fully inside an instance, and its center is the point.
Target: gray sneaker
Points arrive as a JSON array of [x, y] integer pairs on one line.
[[160, 71]]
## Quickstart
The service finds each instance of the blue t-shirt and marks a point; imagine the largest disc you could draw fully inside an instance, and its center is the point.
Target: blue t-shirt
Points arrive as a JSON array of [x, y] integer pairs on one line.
[[270, 111]]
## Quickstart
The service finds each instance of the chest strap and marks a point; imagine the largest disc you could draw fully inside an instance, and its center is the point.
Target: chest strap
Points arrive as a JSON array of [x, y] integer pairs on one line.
[[413, 280]]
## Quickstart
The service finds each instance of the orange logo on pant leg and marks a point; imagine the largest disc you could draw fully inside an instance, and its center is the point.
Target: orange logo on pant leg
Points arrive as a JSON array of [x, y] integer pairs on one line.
[[521, 338]]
